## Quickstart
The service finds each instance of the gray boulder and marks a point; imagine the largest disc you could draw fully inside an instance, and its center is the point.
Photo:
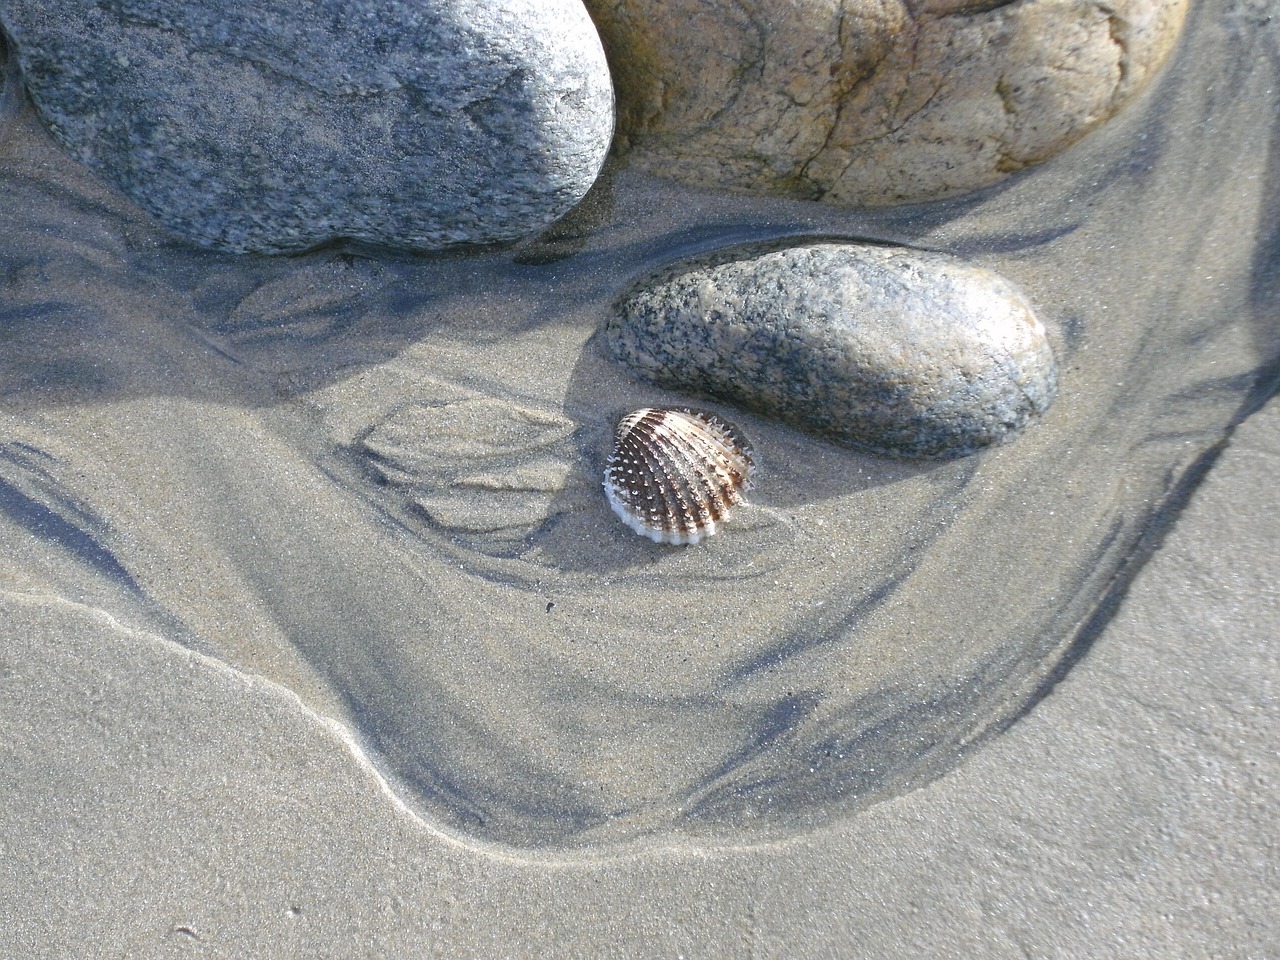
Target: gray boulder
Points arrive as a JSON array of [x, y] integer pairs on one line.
[[265, 125], [899, 352]]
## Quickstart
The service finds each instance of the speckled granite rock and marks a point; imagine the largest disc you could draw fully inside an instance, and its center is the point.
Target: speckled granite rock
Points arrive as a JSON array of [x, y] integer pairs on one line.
[[900, 352], [262, 125], [871, 101]]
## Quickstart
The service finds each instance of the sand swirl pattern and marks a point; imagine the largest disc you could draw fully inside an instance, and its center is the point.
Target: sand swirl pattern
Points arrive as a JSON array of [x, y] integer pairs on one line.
[[279, 456]]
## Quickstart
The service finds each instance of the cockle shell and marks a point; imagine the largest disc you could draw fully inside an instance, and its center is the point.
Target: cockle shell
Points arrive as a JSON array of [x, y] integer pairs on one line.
[[675, 475]]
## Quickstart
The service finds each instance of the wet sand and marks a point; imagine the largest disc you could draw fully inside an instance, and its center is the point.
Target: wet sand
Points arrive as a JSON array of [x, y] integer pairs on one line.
[[162, 804], [265, 700]]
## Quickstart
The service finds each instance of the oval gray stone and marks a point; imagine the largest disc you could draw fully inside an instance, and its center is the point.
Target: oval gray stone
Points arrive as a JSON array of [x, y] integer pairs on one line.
[[899, 352], [270, 126]]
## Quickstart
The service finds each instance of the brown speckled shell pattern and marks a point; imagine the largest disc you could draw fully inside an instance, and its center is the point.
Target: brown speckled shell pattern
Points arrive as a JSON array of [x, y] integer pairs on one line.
[[675, 475]]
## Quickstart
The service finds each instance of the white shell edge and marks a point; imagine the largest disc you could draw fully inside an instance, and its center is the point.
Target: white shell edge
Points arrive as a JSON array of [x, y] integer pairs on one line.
[[637, 523]]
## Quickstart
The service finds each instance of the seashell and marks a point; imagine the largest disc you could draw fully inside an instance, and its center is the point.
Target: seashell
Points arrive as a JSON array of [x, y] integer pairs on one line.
[[675, 475]]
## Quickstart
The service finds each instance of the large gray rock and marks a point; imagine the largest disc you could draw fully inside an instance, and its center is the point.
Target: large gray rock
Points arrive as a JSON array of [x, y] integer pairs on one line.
[[265, 125], [900, 352]]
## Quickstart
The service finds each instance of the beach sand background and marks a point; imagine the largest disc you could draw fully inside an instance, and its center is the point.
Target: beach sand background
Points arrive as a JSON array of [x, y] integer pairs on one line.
[[162, 804], [319, 638]]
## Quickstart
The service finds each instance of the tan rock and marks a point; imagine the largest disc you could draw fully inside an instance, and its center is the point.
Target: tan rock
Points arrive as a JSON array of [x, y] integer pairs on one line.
[[871, 101]]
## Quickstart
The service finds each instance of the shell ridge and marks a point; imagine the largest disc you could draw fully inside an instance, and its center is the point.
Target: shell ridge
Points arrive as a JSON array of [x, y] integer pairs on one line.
[[726, 469], [714, 480], [678, 490], [731, 444], [625, 487], [656, 505]]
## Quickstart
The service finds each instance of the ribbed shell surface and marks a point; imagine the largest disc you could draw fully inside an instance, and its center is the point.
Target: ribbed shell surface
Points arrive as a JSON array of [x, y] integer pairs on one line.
[[675, 475]]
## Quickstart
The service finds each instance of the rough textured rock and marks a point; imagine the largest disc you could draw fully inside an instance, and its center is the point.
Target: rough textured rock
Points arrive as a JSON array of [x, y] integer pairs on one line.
[[262, 125], [871, 101], [900, 352]]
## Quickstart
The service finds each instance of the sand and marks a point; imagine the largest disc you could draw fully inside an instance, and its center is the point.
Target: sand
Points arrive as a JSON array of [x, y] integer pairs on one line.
[[259, 704], [158, 803]]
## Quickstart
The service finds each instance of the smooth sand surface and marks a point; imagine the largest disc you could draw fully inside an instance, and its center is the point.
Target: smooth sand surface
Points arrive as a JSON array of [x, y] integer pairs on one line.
[[320, 639], [160, 804]]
